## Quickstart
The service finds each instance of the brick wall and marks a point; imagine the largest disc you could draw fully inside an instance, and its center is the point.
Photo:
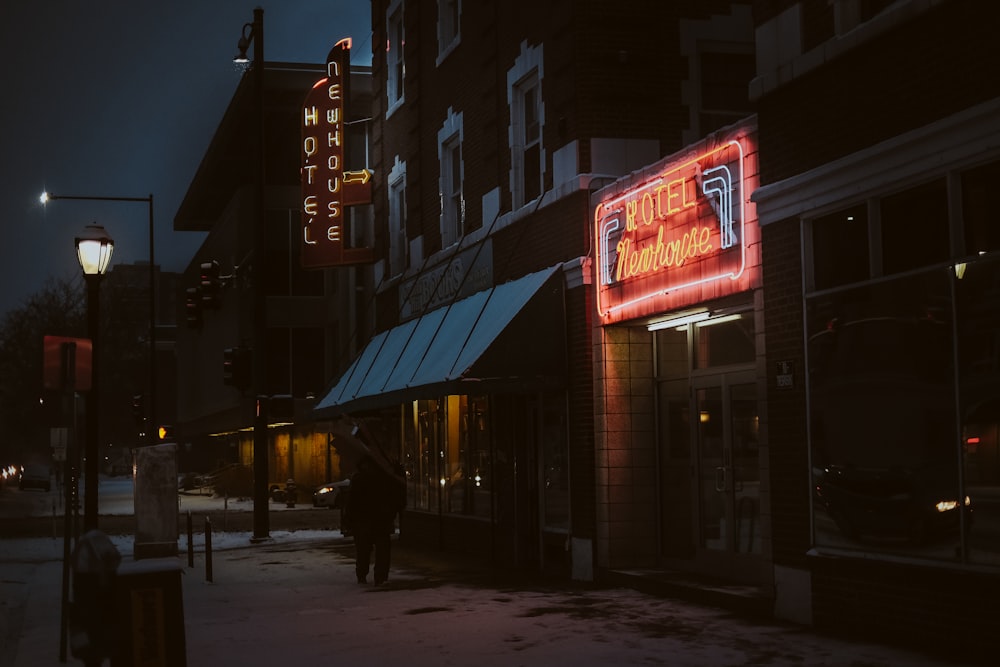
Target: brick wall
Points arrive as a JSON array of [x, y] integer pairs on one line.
[[786, 408]]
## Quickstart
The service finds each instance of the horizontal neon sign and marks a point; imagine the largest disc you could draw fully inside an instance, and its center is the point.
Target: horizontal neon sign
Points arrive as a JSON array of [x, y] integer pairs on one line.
[[682, 228]]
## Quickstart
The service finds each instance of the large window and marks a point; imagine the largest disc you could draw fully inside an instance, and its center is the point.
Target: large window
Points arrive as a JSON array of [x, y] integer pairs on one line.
[[446, 455], [904, 375], [449, 27], [398, 244], [394, 65], [451, 180], [527, 121]]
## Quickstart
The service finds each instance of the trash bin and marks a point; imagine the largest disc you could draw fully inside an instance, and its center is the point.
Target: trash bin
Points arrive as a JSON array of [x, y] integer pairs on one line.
[[149, 600], [93, 621]]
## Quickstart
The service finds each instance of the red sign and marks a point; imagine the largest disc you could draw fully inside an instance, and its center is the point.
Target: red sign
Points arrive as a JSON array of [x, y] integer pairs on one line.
[[327, 188], [677, 234], [66, 363]]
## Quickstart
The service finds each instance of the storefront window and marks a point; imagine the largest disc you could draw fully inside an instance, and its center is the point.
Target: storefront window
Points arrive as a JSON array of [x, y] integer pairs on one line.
[[446, 453], [915, 228], [904, 382], [895, 467], [884, 441], [978, 318], [981, 231], [467, 486], [843, 239]]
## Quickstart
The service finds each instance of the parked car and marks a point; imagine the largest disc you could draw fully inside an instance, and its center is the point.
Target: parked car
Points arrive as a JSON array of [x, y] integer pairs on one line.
[[332, 494], [34, 476], [917, 505]]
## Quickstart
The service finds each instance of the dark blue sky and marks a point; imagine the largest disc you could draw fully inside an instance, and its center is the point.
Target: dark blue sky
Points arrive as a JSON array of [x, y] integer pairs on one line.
[[121, 98]]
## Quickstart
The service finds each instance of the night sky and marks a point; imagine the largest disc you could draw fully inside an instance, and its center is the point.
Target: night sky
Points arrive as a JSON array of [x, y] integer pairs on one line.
[[121, 98]]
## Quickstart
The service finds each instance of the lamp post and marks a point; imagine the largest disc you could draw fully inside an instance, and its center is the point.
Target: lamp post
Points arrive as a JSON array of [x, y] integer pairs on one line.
[[151, 390], [94, 248], [254, 33]]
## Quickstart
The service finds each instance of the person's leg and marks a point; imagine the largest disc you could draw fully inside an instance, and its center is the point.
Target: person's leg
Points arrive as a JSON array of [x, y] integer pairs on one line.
[[382, 556], [363, 552]]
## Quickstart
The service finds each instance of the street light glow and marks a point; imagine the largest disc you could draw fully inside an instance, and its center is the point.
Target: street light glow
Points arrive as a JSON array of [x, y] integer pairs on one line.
[[44, 198], [94, 248]]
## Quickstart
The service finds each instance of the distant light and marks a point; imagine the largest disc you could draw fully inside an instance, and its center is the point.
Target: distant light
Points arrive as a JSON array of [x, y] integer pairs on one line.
[[44, 198]]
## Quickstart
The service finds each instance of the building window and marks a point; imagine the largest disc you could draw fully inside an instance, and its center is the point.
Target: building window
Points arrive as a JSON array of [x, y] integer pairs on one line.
[[398, 244], [395, 67], [451, 179], [446, 455], [981, 233], [903, 352], [527, 120], [914, 228], [449, 27], [844, 237]]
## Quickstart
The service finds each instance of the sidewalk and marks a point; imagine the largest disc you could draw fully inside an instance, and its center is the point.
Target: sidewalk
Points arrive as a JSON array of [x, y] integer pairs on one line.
[[294, 600]]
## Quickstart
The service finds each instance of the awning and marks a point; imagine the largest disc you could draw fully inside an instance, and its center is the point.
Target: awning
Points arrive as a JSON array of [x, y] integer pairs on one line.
[[508, 337]]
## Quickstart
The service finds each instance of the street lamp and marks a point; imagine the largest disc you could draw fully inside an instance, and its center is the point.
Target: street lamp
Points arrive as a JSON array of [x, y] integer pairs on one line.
[[151, 392], [254, 33], [94, 247]]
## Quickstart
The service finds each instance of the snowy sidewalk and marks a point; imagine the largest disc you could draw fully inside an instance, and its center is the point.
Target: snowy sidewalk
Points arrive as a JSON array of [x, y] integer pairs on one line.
[[294, 600]]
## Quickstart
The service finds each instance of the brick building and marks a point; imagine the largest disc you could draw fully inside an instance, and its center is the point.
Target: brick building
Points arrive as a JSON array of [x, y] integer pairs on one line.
[[879, 151], [493, 125]]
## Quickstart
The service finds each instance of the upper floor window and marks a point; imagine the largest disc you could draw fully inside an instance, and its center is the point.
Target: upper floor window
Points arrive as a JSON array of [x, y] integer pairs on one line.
[[394, 63], [398, 244], [449, 27], [451, 180], [527, 119]]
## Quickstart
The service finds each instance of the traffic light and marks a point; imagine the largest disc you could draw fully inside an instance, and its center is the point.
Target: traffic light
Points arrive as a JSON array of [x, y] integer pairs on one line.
[[164, 433], [211, 285], [192, 307], [236, 369]]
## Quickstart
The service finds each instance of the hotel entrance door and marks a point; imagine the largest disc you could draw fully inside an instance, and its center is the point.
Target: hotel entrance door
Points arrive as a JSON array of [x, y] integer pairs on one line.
[[727, 484]]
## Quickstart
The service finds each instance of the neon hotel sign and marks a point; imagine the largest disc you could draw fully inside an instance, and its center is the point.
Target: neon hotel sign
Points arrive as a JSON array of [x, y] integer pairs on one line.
[[682, 229], [326, 187]]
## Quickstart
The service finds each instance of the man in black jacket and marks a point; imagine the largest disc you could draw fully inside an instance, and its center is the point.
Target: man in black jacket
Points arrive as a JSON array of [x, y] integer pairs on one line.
[[375, 497]]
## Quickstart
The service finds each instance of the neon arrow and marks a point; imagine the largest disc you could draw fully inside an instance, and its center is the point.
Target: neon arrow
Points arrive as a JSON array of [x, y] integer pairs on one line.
[[357, 176]]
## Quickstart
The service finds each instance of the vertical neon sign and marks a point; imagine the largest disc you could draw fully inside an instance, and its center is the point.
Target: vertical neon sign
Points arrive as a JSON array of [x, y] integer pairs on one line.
[[679, 235], [327, 188]]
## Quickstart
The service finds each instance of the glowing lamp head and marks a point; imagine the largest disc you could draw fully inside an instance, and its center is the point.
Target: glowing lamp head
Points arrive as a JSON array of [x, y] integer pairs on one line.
[[44, 198], [94, 247]]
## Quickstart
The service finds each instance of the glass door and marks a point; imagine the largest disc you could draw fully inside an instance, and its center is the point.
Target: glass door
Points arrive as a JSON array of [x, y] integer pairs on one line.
[[728, 488]]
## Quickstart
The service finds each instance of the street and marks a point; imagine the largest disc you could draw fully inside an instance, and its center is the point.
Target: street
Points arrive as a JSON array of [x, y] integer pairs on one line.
[[293, 599]]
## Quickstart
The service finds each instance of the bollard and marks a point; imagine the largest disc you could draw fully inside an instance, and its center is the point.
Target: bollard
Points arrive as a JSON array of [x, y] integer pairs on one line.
[[208, 549], [190, 534]]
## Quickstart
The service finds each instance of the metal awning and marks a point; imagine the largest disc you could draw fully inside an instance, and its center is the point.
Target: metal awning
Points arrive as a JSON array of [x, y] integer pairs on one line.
[[508, 337]]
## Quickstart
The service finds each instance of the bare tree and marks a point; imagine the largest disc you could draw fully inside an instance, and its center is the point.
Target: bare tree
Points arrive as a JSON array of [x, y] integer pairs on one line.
[[58, 309]]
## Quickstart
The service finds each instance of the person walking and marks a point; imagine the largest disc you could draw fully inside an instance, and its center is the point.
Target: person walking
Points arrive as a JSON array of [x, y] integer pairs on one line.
[[375, 497]]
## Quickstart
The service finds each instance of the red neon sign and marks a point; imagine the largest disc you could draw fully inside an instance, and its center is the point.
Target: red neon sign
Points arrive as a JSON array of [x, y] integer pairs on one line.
[[327, 188], [677, 237]]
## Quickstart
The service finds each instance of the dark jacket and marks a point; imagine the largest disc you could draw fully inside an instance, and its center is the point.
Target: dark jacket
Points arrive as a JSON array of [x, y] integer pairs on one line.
[[375, 498]]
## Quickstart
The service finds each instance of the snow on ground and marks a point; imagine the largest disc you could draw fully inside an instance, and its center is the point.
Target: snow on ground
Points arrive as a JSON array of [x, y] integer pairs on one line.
[[115, 498]]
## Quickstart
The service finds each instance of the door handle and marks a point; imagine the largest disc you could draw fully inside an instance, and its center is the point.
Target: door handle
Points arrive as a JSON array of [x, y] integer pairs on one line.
[[720, 478]]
